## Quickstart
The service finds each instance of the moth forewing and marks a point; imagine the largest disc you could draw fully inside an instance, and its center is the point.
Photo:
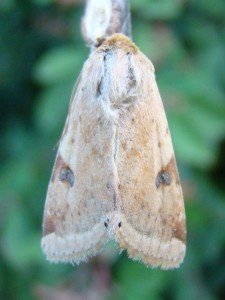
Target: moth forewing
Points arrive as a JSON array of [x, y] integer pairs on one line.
[[151, 201], [79, 194], [115, 174]]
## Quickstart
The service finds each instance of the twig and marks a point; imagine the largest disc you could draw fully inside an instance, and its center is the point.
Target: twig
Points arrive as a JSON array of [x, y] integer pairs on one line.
[[103, 18]]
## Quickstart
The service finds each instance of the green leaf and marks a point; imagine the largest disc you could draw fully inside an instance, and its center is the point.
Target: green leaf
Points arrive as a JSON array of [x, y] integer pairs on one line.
[[157, 9], [214, 8], [139, 282], [52, 107], [58, 65], [6, 5], [189, 145], [20, 244], [43, 2]]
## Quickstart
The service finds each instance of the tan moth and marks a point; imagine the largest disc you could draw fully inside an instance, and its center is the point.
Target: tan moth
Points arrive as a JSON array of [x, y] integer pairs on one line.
[[115, 175]]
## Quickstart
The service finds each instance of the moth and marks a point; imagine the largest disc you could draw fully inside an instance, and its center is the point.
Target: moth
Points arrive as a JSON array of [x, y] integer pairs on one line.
[[115, 175]]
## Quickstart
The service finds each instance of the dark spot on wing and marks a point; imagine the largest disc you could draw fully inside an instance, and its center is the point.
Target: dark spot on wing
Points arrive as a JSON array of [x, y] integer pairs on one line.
[[106, 223], [99, 88], [66, 175], [99, 42], [115, 201], [163, 178], [119, 224], [131, 75], [100, 121], [107, 52], [142, 205], [100, 84], [168, 173]]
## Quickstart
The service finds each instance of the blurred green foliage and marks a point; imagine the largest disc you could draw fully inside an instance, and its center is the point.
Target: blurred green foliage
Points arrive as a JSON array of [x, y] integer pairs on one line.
[[41, 54]]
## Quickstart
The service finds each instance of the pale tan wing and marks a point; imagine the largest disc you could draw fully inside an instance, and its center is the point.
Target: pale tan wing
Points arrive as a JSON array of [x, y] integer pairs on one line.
[[81, 190], [152, 217]]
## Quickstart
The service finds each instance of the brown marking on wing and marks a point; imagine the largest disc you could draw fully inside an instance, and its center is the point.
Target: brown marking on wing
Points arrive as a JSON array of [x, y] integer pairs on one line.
[[48, 225], [58, 164], [140, 197], [124, 145], [63, 171], [172, 169], [179, 230], [167, 174], [132, 153], [89, 132]]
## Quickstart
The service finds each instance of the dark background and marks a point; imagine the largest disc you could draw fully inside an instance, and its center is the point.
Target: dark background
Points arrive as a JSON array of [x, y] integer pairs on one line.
[[41, 54]]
